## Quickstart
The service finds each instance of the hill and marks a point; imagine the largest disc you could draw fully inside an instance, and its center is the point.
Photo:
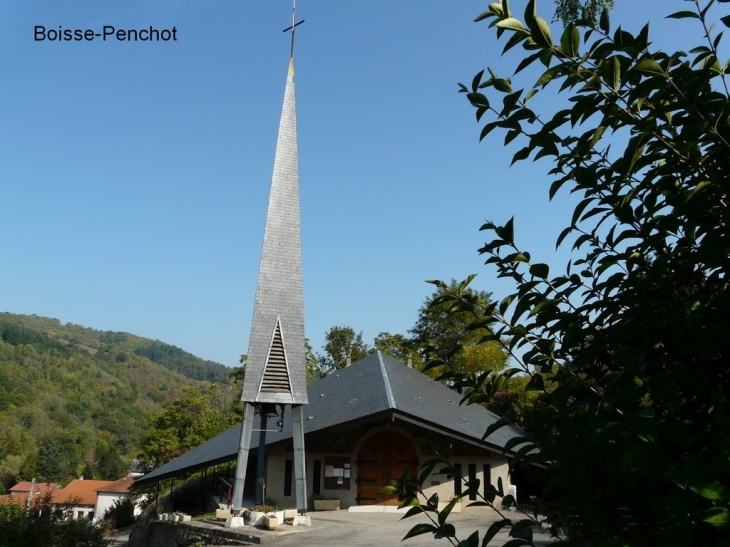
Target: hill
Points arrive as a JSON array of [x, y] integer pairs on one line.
[[77, 400]]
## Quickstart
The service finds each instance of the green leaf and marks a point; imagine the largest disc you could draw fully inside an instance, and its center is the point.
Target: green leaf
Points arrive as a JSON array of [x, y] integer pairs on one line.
[[419, 529], [512, 24], [471, 541], [494, 529], [536, 383], [505, 7], [478, 99], [503, 85], [605, 23], [514, 441], [548, 75], [650, 66], [570, 40], [616, 79], [476, 81], [709, 488], [415, 510], [717, 516], [541, 33], [527, 61], [540, 270], [443, 515], [488, 129], [725, 20], [683, 15], [388, 490], [521, 154], [530, 13], [522, 529], [482, 16]]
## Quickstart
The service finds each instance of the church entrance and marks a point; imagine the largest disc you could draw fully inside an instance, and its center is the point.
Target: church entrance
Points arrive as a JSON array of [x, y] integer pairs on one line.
[[382, 458]]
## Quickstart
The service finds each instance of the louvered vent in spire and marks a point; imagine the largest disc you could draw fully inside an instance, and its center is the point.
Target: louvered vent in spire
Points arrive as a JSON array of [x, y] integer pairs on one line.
[[276, 371]]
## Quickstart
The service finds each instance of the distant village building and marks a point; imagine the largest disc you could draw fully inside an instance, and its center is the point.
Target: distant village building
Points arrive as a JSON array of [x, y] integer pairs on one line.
[[113, 492], [82, 498]]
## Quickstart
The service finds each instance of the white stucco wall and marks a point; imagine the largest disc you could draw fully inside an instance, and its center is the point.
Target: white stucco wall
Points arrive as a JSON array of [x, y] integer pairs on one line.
[[104, 501]]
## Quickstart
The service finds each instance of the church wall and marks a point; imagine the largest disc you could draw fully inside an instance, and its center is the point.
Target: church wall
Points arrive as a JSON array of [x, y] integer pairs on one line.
[[345, 446], [445, 487]]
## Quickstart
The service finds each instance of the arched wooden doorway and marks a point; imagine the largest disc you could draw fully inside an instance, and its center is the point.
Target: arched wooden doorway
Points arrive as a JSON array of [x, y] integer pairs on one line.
[[382, 458]]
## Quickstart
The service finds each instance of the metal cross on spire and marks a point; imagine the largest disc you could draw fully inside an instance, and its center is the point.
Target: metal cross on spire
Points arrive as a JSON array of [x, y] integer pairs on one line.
[[293, 26]]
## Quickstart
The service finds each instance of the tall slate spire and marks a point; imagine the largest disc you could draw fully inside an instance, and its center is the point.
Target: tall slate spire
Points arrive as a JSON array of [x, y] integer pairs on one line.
[[275, 369]]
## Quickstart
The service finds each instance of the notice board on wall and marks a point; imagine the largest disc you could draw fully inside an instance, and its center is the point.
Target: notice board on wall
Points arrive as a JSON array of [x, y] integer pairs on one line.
[[337, 472]]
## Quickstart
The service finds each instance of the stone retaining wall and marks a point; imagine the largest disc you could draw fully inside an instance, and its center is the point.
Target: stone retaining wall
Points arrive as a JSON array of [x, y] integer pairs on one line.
[[172, 534]]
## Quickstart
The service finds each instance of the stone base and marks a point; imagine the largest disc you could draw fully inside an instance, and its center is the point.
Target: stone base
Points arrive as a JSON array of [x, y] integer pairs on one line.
[[302, 520], [234, 522]]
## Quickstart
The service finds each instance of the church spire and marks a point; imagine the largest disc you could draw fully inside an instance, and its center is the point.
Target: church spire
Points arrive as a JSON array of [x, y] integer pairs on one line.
[[275, 369], [276, 345]]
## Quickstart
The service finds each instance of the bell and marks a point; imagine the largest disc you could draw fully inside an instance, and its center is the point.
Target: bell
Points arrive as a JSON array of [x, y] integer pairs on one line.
[[268, 410]]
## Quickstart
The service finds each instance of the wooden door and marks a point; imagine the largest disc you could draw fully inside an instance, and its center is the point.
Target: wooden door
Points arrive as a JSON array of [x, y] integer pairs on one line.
[[382, 458]]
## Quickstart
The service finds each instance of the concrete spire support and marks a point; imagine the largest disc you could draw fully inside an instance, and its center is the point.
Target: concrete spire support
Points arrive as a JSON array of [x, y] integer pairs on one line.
[[276, 369], [300, 466], [243, 447]]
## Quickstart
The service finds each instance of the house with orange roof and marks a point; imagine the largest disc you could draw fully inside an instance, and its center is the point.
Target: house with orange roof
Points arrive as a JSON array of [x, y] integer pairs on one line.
[[80, 497], [20, 493], [41, 488], [112, 492]]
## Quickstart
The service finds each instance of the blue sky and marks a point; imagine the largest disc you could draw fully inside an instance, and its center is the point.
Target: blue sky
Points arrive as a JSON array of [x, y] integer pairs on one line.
[[134, 177]]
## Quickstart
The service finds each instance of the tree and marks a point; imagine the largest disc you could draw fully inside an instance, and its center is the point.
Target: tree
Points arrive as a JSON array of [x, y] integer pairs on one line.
[[198, 416], [108, 465], [121, 514], [46, 524], [341, 343], [571, 11], [314, 371], [399, 347], [628, 347], [442, 336], [52, 460]]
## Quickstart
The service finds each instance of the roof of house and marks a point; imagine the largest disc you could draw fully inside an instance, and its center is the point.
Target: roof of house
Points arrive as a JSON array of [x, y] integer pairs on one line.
[[40, 487], [366, 391], [79, 492], [120, 486], [14, 499]]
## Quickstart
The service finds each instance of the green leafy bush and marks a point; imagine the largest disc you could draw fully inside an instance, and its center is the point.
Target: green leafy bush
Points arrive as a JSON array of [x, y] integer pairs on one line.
[[628, 347]]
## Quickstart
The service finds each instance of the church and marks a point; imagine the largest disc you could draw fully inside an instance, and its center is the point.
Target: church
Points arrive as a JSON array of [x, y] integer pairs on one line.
[[362, 428], [360, 425]]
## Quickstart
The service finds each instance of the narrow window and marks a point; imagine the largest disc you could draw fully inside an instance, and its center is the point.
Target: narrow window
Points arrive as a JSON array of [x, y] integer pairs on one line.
[[317, 477], [288, 468], [457, 480], [487, 479], [472, 480]]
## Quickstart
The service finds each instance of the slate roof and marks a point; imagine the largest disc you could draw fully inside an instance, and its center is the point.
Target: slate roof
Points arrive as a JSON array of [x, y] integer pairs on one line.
[[369, 390]]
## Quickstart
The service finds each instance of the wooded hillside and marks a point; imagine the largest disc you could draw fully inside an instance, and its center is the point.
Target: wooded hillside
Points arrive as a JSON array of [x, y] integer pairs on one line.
[[75, 400]]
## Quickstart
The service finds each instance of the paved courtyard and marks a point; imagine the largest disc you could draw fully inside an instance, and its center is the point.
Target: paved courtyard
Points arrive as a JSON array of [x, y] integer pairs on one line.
[[340, 528], [337, 528]]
